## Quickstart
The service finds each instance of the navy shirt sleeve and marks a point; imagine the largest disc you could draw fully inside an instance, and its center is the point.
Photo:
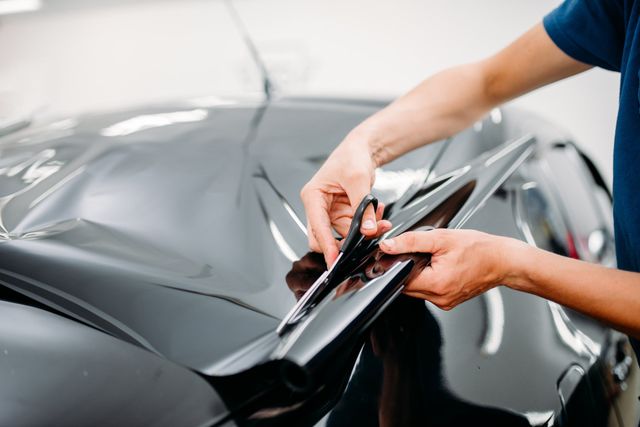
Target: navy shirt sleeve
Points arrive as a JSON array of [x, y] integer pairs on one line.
[[590, 31]]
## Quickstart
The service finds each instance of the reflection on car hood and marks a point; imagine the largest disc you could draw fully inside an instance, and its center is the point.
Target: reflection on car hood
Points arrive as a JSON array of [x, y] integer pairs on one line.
[[174, 229], [161, 225]]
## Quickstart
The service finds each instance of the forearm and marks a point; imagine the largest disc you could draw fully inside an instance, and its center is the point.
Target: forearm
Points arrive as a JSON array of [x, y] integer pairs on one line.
[[610, 295], [439, 107], [453, 99]]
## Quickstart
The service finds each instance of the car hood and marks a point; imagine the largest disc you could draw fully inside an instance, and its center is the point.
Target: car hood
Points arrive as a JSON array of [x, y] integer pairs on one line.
[[175, 228]]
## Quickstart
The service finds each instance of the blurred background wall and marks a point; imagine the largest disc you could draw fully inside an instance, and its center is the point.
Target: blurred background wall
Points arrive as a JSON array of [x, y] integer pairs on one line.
[[64, 57]]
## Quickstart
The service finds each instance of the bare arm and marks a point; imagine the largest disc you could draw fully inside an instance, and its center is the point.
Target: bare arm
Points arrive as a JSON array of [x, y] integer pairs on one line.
[[453, 99], [466, 263], [437, 108], [610, 295]]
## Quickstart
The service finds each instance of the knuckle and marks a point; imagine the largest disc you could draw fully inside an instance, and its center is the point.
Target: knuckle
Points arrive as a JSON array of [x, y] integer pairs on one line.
[[445, 303], [446, 307], [304, 192], [313, 237], [409, 240], [442, 235], [313, 244], [438, 302]]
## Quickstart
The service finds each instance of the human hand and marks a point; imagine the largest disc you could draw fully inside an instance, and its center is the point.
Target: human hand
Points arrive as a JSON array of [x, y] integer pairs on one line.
[[464, 263], [331, 197]]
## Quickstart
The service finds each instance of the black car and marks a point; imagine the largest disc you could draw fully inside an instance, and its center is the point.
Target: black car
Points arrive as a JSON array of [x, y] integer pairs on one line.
[[148, 259]]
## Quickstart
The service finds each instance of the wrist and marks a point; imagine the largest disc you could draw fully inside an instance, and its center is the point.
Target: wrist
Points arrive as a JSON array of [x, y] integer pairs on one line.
[[373, 142], [514, 258]]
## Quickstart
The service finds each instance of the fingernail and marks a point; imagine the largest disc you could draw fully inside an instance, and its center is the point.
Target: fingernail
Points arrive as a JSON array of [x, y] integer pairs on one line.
[[388, 243], [368, 225]]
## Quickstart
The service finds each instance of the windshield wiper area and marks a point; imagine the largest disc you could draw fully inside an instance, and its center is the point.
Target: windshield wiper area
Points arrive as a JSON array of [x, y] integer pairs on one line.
[[310, 362]]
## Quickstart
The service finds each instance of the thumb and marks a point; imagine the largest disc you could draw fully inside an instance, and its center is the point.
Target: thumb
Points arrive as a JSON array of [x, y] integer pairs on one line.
[[412, 241], [356, 192]]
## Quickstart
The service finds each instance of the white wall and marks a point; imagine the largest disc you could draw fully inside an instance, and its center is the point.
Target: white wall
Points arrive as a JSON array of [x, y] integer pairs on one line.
[[95, 55], [368, 48], [105, 55]]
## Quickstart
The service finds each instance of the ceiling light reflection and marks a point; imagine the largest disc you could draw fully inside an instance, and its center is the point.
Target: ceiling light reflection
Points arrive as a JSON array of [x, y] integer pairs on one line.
[[210, 101], [539, 418], [496, 115], [294, 216], [18, 6], [55, 187], [149, 121], [495, 322], [574, 338], [284, 247], [394, 183]]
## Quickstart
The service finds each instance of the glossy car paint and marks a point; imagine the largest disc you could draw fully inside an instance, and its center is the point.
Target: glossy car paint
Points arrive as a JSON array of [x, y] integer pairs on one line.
[[58, 372], [169, 234]]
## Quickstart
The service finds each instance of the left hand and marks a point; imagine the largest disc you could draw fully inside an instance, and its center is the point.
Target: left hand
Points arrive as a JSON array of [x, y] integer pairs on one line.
[[464, 264]]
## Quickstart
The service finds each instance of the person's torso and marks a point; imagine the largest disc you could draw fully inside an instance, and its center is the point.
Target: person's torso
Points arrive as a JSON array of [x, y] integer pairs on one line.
[[626, 165]]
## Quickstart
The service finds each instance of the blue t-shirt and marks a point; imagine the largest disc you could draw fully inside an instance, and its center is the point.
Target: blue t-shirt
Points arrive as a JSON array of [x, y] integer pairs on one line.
[[606, 33]]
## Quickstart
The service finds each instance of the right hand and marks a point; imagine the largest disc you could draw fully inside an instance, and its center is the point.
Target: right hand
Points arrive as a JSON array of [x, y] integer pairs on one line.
[[331, 197]]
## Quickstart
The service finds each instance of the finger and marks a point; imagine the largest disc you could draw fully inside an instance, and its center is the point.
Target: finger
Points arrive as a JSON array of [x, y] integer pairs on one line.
[[342, 226], [319, 227], [423, 284], [439, 301], [356, 191], [431, 286], [383, 227], [313, 243], [412, 241], [369, 226], [380, 211], [415, 294]]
